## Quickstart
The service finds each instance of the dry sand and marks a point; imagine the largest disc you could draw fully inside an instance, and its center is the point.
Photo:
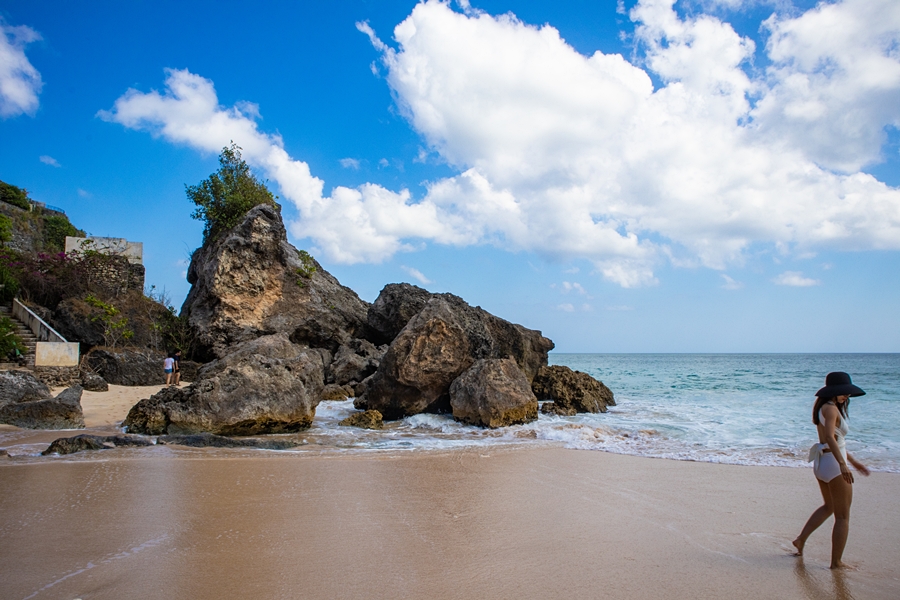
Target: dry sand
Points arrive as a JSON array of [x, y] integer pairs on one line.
[[507, 523]]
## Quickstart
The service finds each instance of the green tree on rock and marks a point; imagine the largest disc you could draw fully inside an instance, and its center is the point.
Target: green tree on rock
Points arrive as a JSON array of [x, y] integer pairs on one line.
[[227, 195]]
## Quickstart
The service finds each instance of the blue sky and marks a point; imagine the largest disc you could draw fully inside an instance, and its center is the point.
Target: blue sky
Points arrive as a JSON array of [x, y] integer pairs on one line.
[[710, 176]]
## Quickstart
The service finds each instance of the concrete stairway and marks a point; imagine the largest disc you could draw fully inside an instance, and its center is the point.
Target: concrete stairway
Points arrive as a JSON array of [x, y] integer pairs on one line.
[[28, 339]]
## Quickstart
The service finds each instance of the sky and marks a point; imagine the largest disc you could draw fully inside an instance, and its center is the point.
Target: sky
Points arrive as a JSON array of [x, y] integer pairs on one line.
[[637, 176]]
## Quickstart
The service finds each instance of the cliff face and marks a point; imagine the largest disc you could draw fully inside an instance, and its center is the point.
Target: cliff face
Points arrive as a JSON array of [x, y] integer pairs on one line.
[[251, 282]]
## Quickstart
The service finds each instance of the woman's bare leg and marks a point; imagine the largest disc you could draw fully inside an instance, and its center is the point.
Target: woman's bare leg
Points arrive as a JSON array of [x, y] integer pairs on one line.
[[819, 516], [842, 497]]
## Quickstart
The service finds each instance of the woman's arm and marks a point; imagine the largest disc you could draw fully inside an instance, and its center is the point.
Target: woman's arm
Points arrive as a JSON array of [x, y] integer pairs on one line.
[[858, 465], [831, 414]]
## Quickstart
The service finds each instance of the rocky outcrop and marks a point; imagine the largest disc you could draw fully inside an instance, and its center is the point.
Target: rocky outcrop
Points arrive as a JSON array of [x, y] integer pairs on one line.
[[265, 385], [392, 310], [21, 386], [92, 382], [78, 321], [251, 282], [354, 361], [209, 440], [83, 442], [333, 391], [62, 412], [571, 391], [122, 366], [439, 343], [493, 393], [367, 419]]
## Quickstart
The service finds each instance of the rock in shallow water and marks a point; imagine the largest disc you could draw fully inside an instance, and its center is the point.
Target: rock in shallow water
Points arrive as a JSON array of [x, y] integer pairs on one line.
[[209, 440], [94, 442], [571, 390], [493, 393], [368, 419]]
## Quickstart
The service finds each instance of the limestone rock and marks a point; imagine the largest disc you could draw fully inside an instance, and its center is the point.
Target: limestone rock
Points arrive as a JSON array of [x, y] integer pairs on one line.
[[94, 442], [552, 408], [440, 342], [209, 440], [21, 386], [368, 419], [333, 391], [62, 412], [354, 361], [493, 393], [571, 390], [265, 385], [92, 382], [251, 282], [123, 366], [395, 306]]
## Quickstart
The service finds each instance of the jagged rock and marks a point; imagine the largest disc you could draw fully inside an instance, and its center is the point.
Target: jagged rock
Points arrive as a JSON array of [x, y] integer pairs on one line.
[[493, 393], [359, 389], [265, 385], [395, 306], [62, 412], [189, 369], [552, 408], [368, 419], [123, 366], [571, 390], [440, 342], [209, 440], [354, 361], [93, 383], [77, 321], [21, 386], [251, 282], [333, 391], [94, 442]]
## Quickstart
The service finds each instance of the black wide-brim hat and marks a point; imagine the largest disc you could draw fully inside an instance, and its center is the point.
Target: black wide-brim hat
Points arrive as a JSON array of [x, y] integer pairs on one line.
[[839, 384]]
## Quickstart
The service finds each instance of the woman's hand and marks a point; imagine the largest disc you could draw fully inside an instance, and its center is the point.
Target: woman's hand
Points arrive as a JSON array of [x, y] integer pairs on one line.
[[858, 466], [846, 474]]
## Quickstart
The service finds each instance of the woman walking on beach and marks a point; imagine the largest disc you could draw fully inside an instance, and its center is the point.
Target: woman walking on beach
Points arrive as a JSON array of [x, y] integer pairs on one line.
[[829, 458]]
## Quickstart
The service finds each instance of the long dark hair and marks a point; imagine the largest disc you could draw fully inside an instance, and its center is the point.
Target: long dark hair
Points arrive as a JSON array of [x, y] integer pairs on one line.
[[821, 401]]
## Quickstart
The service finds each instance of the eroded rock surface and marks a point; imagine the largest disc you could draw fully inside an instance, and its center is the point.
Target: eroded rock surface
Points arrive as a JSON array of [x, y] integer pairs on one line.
[[368, 419], [493, 393], [83, 442], [354, 361], [571, 390], [123, 366], [251, 282], [21, 386], [265, 385], [62, 412], [209, 440], [93, 382]]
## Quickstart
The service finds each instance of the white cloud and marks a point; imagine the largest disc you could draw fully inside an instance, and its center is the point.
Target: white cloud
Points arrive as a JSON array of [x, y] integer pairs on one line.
[[416, 274], [20, 82], [620, 308], [350, 163], [574, 156], [566, 307], [731, 284], [49, 160], [84, 193], [795, 279], [586, 307]]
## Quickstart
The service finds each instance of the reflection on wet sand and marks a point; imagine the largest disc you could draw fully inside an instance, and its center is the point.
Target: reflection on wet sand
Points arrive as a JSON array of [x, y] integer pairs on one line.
[[831, 584]]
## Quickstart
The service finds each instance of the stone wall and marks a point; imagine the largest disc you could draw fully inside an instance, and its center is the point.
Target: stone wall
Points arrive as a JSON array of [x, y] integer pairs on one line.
[[118, 275], [58, 376]]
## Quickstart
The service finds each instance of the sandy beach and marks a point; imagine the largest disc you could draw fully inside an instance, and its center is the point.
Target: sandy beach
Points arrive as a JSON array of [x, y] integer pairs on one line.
[[505, 523]]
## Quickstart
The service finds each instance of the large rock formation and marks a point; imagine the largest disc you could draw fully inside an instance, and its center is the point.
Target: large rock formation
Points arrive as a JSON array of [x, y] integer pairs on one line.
[[124, 366], [251, 282], [392, 310], [62, 412], [354, 362], [571, 391], [265, 385], [21, 386], [493, 393], [439, 343]]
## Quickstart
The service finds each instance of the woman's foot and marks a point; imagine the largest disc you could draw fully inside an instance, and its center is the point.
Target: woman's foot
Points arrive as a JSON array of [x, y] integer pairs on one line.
[[799, 546]]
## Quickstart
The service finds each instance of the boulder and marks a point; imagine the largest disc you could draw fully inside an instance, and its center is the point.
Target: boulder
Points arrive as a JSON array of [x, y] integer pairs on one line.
[[250, 282], [62, 412], [395, 306], [125, 366], [265, 385], [571, 390], [21, 386], [354, 361], [493, 393], [94, 442], [441, 341], [368, 419], [209, 440], [552, 408], [333, 391], [78, 321], [92, 382]]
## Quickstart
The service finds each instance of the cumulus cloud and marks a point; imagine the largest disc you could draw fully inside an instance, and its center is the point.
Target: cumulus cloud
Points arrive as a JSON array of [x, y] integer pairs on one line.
[[20, 82], [573, 156], [49, 160], [795, 279], [350, 163], [416, 274]]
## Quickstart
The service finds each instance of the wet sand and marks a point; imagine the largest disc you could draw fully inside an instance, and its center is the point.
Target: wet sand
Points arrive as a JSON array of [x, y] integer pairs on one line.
[[511, 523]]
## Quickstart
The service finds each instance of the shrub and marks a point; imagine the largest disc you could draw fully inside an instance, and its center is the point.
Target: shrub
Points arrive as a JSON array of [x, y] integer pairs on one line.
[[14, 195], [9, 285], [5, 229], [56, 228], [9, 341], [115, 326]]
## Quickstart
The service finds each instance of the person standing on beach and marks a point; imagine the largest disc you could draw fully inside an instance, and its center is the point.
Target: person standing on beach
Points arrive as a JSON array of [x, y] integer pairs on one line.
[[177, 366], [829, 458], [169, 368]]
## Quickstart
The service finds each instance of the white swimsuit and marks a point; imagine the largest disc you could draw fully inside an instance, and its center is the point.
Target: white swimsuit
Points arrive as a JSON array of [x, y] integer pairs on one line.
[[825, 465]]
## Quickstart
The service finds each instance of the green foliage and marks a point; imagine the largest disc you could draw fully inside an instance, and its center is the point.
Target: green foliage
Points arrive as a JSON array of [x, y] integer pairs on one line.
[[9, 341], [167, 328], [9, 285], [14, 195], [115, 327], [227, 195], [307, 267], [56, 228], [5, 229]]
